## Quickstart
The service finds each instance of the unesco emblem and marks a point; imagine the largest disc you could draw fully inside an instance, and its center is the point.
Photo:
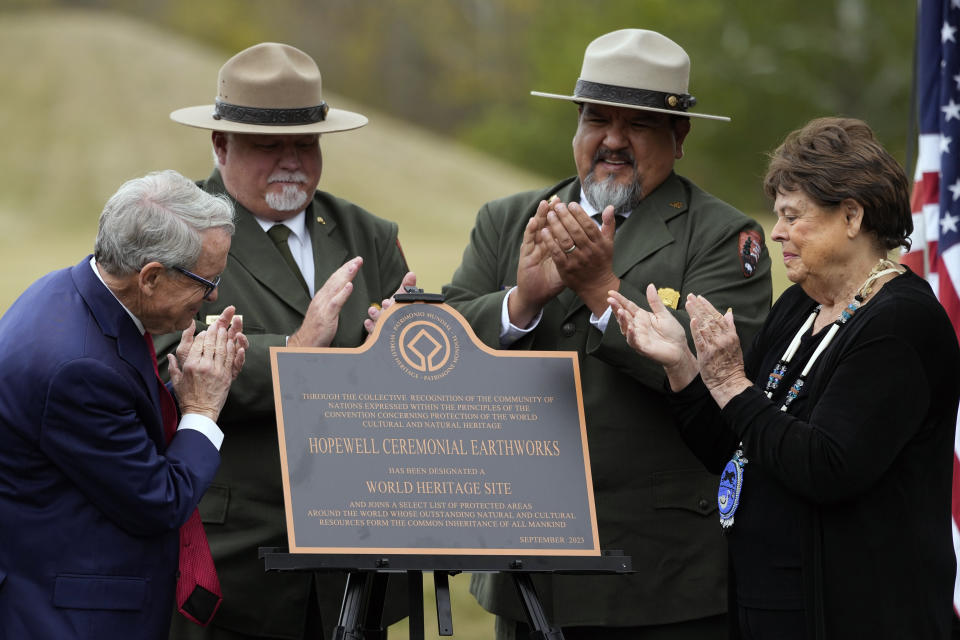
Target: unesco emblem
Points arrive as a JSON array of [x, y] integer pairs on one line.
[[424, 346]]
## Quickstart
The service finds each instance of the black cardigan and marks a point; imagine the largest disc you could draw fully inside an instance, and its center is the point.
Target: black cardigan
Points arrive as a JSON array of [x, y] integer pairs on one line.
[[867, 459]]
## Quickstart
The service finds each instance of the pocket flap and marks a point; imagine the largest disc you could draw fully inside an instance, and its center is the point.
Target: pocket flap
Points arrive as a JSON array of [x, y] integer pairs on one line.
[[114, 593], [689, 489], [213, 505]]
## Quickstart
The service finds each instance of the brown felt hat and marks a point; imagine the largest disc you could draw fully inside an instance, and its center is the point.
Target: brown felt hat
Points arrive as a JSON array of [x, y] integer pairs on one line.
[[637, 69], [269, 88]]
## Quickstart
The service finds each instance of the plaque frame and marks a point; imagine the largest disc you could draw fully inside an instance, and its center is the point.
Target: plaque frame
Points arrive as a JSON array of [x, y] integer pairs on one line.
[[367, 568], [590, 545]]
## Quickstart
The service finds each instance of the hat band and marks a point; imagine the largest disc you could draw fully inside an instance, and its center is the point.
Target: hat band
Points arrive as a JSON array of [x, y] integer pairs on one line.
[[265, 116], [633, 97]]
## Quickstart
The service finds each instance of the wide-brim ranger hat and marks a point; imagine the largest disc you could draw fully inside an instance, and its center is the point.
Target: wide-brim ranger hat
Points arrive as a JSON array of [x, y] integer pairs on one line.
[[637, 69], [269, 88]]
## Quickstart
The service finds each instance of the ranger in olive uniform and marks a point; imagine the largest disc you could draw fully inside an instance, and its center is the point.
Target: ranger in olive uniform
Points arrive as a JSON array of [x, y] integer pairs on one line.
[[536, 275], [266, 124]]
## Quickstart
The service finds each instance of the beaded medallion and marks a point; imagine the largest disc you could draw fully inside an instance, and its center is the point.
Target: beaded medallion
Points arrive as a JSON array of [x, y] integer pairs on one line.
[[731, 482]]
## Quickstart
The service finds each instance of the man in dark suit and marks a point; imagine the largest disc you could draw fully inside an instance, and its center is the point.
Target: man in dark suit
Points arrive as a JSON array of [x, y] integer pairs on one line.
[[96, 474], [305, 269], [536, 275]]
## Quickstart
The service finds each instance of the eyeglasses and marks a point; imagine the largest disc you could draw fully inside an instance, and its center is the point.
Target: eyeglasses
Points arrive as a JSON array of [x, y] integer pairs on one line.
[[208, 286]]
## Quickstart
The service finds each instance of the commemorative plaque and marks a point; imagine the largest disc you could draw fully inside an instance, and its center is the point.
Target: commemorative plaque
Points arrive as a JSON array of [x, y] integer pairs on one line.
[[426, 441]]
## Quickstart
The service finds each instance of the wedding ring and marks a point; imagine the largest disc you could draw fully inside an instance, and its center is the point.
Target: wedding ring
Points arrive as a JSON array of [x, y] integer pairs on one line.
[[571, 249]]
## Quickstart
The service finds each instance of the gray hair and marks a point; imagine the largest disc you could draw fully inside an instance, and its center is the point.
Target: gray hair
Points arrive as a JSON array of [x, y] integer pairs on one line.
[[158, 218]]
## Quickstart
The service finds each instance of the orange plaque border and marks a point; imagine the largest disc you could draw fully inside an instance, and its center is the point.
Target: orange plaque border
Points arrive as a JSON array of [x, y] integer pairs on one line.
[[374, 337]]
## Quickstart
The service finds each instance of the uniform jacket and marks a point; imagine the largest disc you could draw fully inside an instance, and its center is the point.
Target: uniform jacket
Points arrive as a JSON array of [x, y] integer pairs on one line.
[[91, 498], [243, 509], [654, 499]]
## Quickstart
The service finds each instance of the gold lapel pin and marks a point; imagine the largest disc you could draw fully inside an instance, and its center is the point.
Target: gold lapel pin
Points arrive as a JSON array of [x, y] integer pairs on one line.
[[321, 220], [669, 297]]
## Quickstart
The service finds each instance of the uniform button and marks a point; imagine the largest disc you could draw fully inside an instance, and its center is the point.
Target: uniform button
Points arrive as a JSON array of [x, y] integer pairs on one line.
[[568, 329], [704, 504]]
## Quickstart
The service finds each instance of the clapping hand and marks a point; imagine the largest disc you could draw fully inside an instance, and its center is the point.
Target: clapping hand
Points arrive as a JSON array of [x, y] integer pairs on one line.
[[202, 383], [656, 334], [537, 279], [409, 280], [719, 355], [229, 320], [323, 315], [582, 252]]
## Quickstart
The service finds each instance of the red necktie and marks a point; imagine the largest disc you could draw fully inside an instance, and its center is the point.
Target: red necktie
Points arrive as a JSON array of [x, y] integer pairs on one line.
[[198, 588]]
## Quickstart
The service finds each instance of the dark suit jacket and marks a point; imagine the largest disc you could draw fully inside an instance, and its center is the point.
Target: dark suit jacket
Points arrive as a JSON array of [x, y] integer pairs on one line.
[[91, 498], [244, 509], [654, 499]]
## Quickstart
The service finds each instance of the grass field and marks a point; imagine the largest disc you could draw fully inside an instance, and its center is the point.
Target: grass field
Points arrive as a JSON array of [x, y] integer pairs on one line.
[[88, 108]]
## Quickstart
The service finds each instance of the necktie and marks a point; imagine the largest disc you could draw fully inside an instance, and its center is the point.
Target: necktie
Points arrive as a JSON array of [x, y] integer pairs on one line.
[[198, 588], [279, 233]]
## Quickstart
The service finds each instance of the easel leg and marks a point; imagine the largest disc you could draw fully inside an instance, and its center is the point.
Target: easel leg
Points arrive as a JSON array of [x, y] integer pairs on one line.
[[348, 627], [373, 620], [361, 614], [441, 586], [536, 618], [415, 621]]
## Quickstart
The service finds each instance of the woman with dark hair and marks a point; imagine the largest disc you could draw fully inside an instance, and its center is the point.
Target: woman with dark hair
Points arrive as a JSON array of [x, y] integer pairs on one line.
[[834, 433]]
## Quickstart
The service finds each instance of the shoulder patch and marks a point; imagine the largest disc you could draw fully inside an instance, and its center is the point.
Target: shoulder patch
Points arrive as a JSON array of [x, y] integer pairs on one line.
[[749, 245]]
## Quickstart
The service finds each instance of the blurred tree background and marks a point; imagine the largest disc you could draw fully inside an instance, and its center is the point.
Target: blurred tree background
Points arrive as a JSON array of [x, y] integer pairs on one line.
[[464, 68]]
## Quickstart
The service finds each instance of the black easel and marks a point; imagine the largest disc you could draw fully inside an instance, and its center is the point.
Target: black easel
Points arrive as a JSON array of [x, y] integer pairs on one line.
[[363, 599]]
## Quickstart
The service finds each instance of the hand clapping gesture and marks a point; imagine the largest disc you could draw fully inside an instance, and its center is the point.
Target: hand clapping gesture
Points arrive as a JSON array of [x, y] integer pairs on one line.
[[537, 279], [323, 315], [207, 363], [718, 350], [658, 335], [582, 252]]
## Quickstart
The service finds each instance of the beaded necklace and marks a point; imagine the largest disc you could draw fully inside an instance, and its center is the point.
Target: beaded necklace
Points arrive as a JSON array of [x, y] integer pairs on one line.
[[731, 481]]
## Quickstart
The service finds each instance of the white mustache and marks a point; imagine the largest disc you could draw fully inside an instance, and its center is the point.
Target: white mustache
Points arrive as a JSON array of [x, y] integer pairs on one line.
[[287, 176]]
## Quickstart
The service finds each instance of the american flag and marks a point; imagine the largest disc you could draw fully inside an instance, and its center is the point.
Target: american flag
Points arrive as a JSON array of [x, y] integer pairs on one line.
[[936, 190]]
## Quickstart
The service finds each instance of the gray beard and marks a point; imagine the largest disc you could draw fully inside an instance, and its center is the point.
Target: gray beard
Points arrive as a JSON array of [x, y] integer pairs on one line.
[[292, 198], [623, 197]]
